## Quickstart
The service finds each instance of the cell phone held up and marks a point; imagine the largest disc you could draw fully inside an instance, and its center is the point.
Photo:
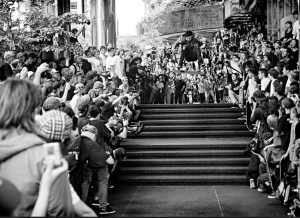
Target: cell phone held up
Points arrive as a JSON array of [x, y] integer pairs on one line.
[[53, 151]]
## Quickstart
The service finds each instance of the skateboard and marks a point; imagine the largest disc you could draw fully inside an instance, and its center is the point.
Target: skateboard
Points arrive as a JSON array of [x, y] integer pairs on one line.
[[188, 72]]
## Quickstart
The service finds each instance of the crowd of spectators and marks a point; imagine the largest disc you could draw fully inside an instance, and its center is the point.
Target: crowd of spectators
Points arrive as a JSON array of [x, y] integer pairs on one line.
[[87, 103]]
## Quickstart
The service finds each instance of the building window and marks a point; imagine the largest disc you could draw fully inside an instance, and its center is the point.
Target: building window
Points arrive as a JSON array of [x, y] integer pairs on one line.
[[73, 5]]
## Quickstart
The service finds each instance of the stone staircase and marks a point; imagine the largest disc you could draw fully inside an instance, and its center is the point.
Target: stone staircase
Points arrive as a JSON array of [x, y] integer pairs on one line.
[[187, 145]]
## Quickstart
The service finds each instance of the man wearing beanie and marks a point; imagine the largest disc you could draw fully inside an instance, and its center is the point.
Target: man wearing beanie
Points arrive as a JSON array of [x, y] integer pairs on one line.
[[189, 48]]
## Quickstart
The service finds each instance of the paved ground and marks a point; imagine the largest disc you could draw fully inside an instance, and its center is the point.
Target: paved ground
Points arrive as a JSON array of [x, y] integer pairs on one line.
[[192, 201]]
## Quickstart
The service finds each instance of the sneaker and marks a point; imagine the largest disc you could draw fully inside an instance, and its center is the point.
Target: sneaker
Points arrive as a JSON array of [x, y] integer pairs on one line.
[[252, 184], [107, 210], [136, 116], [110, 186], [95, 202], [235, 106], [183, 69], [272, 196]]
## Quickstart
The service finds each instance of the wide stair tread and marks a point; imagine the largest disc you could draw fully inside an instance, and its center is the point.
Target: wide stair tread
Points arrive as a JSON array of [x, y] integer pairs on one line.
[[185, 153], [201, 170], [195, 127], [183, 179]]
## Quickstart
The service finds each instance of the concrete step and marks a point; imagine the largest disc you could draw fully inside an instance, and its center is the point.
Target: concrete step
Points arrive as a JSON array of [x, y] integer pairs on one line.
[[188, 127], [185, 154], [188, 116], [238, 161], [167, 144], [190, 110], [194, 120], [183, 179], [146, 106], [195, 134], [186, 170]]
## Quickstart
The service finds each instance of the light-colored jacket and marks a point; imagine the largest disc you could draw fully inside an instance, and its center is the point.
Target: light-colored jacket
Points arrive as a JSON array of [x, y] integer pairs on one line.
[[21, 162]]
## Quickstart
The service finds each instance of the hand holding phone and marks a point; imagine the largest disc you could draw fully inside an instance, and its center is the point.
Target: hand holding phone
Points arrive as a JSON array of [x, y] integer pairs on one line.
[[53, 151]]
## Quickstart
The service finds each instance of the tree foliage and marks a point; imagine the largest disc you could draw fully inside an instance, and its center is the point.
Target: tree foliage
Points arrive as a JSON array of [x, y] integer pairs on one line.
[[151, 26], [37, 30]]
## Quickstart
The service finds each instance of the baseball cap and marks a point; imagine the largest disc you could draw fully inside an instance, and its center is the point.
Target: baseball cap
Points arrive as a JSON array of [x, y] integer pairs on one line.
[[56, 85], [19, 55], [51, 103], [292, 89], [117, 92], [55, 125], [91, 74], [78, 87], [277, 41], [82, 108], [10, 197], [120, 154], [86, 99], [259, 95], [8, 54], [98, 85], [295, 12]]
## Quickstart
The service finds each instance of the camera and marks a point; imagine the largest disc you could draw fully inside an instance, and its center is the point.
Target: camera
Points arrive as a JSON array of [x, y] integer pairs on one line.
[[124, 101], [46, 75]]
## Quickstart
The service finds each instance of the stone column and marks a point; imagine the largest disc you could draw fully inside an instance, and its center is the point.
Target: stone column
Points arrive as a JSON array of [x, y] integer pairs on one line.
[[99, 27]]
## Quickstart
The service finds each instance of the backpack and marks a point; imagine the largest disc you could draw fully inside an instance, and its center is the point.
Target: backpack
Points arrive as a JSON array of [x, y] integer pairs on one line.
[[73, 154], [285, 191]]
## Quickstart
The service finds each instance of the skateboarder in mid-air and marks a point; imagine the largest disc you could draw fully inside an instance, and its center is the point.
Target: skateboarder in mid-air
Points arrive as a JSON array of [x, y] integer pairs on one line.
[[189, 48]]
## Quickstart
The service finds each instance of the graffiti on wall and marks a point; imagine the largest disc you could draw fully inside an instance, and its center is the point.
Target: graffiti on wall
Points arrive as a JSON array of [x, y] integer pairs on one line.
[[205, 17]]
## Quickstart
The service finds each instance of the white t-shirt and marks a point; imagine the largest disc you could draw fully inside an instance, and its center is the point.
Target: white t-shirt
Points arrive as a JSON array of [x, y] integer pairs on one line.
[[251, 87], [108, 63], [288, 83], [296, 29], [119, 65], [264, 83], [96, 63], [76, 100], [272, 92], [103, 59]]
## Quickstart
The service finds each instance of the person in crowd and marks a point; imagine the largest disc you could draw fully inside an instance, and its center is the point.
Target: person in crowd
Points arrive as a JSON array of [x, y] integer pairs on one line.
[[51, 130], [117, 65], [6, 70], [17, 126], [234, 91], [180, 86], [97, 159]]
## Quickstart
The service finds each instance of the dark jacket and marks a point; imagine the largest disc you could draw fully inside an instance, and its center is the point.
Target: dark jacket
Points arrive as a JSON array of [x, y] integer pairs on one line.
[[88, 151]]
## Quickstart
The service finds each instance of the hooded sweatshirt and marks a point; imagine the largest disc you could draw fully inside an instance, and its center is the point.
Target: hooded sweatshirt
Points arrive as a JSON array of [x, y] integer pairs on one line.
[[21, 162]]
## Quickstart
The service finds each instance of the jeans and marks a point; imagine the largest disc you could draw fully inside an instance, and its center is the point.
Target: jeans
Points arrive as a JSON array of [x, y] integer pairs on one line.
[[170, 98], [209, 93], [234, 98], [201, 98], [178, 95], [102, 175]]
